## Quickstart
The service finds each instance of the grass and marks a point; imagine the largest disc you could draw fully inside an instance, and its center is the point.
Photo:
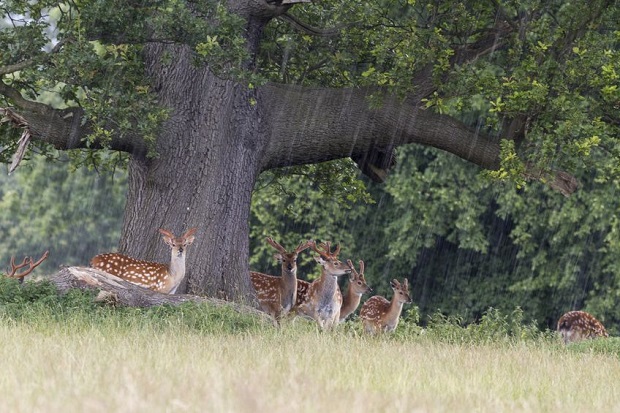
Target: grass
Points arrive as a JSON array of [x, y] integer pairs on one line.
[[67, 354]]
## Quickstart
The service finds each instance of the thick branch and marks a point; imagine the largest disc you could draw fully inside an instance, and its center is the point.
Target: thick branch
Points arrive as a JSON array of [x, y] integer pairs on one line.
[[316, 125], [63, 129]]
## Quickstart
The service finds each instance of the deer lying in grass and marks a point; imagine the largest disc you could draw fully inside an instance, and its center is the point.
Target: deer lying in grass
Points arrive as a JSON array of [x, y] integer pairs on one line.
[[576, 326], [277, 295], [158, 277], [380, 315], [322, 299]]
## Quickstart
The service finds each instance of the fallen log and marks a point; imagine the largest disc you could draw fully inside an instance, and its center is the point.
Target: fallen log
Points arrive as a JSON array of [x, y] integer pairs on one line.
[[124, 293]]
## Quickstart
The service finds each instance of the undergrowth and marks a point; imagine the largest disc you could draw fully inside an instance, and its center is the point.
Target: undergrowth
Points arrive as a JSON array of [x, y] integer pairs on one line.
[[39, 304]]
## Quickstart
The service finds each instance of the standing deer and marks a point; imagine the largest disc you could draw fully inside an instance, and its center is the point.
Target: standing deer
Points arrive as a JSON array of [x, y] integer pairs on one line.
[[380, 315], [277, 295], [153, 275], [357, 288], [324, 299], [12, 273], [575, 326]]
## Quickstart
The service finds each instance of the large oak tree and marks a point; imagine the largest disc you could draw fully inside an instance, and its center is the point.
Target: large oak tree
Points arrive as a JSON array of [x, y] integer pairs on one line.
[[204, 96]]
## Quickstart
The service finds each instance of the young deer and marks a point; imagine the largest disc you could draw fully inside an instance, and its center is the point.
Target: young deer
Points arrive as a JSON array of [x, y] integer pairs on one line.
[[155, 276], [575, 326], [323, 300], [357, 288], [380, 315], [277, 295]]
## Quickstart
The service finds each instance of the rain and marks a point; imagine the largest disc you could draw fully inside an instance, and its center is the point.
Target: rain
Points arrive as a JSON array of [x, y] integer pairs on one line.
[[470, 149]]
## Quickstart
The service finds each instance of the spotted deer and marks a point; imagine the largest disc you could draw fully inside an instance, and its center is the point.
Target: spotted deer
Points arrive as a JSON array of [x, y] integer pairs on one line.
[[323, 300], [277, 295], [357, 288], [158, 277], [575, 326], [380, 315]]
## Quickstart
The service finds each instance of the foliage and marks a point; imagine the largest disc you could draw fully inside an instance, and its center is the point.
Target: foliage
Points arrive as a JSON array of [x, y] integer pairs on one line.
[[493, 327], [74, 215]]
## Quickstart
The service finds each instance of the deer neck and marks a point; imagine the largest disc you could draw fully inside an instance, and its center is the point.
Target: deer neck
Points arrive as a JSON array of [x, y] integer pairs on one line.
[[396, 307], [350, 301], [177, 266], [288, 288], [327, 289]]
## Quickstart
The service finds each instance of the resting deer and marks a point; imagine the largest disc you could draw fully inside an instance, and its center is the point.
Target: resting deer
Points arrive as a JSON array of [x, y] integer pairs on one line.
[[575, 326], [380, 315], [12, 273], [323, 300], [153, 275], [277, 295], [357, 288]]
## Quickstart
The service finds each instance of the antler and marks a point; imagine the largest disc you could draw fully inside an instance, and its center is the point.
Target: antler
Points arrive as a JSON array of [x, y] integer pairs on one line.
[[325, 250], [302, 246], [277, 246], [26, 261]]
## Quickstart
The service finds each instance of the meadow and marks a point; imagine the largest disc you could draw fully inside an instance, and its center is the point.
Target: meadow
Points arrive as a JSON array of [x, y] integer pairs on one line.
[[67, 354]]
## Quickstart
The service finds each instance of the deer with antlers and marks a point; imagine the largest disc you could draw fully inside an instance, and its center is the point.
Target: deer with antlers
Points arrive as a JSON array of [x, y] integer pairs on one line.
[[380, 315], [575, 326], [163, 278], [357, 287], [277, 295], [12, 273], [323, 299]]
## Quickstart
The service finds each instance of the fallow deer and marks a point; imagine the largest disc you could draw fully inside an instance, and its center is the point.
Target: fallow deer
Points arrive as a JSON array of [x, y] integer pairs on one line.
[[380, 315], [357, 288], [277, 295], [575, 326], [323, 300], [158, 277]]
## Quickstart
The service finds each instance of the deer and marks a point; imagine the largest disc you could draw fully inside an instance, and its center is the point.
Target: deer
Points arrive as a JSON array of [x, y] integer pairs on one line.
[[323, 299], [380, 315], [12, 273], [576, 326], [357, 287], [277, 295], [152, 275]]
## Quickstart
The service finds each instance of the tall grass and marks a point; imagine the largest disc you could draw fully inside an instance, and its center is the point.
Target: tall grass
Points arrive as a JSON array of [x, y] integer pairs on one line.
[[66, 354]]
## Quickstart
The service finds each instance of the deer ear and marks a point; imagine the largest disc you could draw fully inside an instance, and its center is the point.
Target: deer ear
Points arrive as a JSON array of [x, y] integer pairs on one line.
[[278, 257], [319, 259], [189, 235], [167, 236], [394, 284]]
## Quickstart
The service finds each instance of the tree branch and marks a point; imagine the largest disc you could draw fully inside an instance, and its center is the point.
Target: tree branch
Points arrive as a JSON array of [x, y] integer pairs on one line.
[[306, 28], [5, 70], [63, 128], [316, 125]]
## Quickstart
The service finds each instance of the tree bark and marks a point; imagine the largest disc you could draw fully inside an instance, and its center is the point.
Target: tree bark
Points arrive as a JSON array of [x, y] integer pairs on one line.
[[209, 158]]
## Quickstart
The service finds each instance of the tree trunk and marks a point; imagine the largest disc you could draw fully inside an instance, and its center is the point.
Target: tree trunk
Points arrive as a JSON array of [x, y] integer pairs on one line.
[[208, 160]]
